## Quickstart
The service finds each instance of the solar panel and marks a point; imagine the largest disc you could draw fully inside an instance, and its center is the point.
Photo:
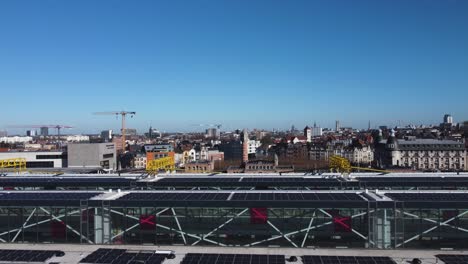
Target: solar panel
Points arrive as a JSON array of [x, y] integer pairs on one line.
[[59, 181], [122, 256], [23, 196], [195, 258], [296, 197], [346, 260], [413, 179], [28, 255], [175, 197], [197, 180], [453, 258], [428, 197]]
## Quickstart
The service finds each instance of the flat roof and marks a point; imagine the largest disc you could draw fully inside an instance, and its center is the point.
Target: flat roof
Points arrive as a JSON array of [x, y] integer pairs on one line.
[[236, 198], [75, 252], [304, 181]]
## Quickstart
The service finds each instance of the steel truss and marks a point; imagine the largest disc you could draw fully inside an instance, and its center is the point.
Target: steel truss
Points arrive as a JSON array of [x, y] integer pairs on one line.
[[437, 225], [228, 215], [280, 235], [53, 217]]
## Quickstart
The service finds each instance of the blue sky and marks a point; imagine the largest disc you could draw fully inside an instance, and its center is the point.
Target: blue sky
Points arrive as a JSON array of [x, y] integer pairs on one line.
[[244, 63]]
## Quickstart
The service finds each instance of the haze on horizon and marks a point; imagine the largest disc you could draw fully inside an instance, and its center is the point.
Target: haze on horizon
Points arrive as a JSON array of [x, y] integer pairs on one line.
[[255, 64]]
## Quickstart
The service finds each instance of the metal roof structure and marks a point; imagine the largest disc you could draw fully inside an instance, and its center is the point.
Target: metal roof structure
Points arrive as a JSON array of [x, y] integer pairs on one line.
[[253, 198], [187, 181]]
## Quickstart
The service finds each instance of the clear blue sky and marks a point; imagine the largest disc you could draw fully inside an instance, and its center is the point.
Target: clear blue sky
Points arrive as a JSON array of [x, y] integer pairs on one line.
[[242, 63]]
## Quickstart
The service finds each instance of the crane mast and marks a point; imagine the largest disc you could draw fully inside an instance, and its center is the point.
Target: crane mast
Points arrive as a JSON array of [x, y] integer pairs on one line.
[[123, 114]]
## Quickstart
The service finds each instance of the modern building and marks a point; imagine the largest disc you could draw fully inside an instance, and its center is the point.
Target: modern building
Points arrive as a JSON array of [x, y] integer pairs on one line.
[[130, 132], [92, 155], [316, 131], [421, 154], [31, 133], [16, 139], [337, 126], [106, 135], [448, 119], [232, 150], [76, 138], [159, 148], [253, 145], [44, 131], [253, 218], [39, 159], [154, 133], [465, 129], [212, 133]]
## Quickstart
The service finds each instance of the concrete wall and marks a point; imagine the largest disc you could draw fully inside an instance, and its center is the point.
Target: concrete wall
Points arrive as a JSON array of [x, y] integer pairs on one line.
[[92, 155]]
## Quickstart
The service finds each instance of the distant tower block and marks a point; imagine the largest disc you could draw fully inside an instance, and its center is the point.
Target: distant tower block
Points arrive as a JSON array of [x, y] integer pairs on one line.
[[245, 146], [337, 125], [448, 119]]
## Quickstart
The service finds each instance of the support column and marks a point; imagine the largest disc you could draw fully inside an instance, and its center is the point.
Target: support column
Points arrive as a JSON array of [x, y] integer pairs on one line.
[[382, 228], [102, 224]]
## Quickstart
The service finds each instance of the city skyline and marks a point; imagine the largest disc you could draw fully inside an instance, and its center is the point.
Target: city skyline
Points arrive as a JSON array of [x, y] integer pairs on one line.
[[201, 128], [264, 64]]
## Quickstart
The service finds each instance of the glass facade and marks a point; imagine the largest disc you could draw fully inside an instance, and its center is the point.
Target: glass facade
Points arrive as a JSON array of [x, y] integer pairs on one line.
[[284, 227]]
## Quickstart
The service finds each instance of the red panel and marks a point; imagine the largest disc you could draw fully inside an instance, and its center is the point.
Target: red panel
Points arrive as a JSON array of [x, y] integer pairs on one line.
[[57, 229], [341, 223], [258, 215], [88, 215], [147, 222]]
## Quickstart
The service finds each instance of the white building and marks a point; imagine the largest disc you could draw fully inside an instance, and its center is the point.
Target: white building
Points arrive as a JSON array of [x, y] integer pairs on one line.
[[317, 131], [140, 162], [422, 154], [16, 139], [38, 159], [31, 133], [448, 119], [360, 156], [253, 145], [201, 153], [76, 138]]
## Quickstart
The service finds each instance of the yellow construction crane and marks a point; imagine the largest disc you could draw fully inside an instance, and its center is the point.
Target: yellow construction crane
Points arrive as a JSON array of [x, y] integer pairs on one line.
[[123, 114], [343, 165], [166, 163], [17, 164]]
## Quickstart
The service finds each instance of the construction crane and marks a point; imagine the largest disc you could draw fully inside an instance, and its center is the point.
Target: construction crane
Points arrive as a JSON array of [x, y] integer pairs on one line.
[[124, 115], [343, 165], [58, 127]]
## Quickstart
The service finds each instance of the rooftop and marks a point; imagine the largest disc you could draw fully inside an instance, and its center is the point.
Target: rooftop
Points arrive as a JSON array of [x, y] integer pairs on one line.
[[76, 252]]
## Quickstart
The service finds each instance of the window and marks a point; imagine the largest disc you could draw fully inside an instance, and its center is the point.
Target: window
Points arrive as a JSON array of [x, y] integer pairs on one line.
[[108, 156], [39, 164], [49, 157]]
